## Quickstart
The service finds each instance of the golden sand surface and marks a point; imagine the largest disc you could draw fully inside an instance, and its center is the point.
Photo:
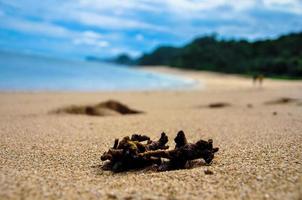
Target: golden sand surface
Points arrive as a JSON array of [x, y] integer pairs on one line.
[[57, 156]]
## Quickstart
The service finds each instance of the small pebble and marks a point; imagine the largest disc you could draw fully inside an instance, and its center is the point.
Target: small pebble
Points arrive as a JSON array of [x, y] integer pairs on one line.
[[208, 172], [249, 105]]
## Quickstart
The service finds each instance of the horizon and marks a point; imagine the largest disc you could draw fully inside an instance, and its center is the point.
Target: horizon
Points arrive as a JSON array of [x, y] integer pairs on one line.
[[106, 29]]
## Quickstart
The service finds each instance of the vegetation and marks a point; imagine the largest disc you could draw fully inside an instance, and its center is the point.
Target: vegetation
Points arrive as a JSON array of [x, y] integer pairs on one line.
[[281, 57], [124, 59]]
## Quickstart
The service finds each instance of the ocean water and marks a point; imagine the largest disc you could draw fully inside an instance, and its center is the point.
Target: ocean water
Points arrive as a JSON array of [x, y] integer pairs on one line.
[[35, 73]]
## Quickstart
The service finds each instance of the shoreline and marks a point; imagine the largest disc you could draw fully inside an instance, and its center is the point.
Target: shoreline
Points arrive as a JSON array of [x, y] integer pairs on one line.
[[57, 156], [215, 80], [199, 80]]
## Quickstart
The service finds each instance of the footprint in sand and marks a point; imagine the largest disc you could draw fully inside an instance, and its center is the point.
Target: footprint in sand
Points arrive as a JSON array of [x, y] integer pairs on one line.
[[283, 100], [107, 108], [219, 105], [216, 105]]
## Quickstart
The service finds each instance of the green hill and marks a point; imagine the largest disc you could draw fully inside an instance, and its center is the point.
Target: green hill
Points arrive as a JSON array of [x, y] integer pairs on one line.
[[280, 57]]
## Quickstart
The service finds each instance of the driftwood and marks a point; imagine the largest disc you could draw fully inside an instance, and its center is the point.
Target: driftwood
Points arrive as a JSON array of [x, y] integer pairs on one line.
[[132, 153]]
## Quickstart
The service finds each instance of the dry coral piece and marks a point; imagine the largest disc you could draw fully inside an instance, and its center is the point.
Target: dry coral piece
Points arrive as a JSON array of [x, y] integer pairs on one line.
[[132, 153]]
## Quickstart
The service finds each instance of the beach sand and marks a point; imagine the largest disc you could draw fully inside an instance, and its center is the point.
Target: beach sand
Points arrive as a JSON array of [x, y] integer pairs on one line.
[[57, 156]]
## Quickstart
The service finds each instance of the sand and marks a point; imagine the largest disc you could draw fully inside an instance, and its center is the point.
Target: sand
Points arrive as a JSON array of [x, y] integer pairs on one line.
[[57, 156]]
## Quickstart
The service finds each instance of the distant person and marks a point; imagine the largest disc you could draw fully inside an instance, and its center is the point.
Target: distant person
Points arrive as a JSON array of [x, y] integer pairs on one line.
[[254, 79], [258, 78]]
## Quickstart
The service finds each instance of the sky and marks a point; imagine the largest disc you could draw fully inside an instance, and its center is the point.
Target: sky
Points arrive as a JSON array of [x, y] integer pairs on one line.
[[106, 28]]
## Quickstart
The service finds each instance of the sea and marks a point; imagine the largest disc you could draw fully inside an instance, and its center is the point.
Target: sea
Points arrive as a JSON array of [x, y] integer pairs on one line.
[[23, 72]]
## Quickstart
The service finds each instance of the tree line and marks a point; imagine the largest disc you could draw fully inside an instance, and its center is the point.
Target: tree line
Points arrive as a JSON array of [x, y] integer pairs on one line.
[[281, 57]]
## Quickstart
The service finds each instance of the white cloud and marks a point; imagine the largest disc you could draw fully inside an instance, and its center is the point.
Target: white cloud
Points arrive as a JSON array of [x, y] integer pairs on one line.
[[116, 15], [293, 6], [92, 34], [101, 5], [191, 5], [114, 24], [46, 29], [39, 28], [109, 15], [91, 38], [109, 22]]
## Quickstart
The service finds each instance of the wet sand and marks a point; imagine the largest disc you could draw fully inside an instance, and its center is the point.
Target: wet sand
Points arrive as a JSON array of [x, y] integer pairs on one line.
[[57, 156]]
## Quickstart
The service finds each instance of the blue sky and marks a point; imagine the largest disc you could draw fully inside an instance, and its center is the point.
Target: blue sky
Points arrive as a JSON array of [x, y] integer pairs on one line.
[[77, 28]]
